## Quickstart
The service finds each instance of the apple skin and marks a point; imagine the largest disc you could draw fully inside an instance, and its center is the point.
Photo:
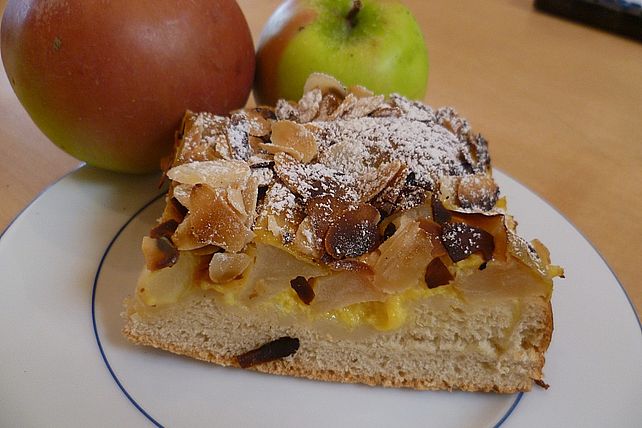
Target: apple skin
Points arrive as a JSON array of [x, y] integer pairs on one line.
[[109, 82], [384, 51]]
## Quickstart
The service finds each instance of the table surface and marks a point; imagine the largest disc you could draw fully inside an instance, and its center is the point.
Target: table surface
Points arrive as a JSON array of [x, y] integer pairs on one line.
[[560, 104]]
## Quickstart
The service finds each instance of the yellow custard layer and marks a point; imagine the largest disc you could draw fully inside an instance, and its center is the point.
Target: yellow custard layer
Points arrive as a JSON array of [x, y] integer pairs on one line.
[[265, 286]]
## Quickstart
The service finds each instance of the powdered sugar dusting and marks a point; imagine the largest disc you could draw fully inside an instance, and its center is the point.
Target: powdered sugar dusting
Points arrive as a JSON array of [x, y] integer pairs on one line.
[[427, 149]]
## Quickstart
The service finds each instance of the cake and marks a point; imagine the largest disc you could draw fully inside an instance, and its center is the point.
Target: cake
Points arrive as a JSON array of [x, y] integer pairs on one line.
[[346, 237]]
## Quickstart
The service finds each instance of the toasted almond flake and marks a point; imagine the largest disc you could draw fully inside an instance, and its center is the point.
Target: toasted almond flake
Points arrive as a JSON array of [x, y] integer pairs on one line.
[[225, 267], [383, 177], [325, 83], [328, 106], [387, 111], [264, 176], [214, 173], [174, 210], [274, 149], [364, 106], [308, 105], [345, 108], [213, 220], [235, 198], [323, 211], [250, 198], [259, 125], [181, 192], [255, 145], [307, 241], [360, 91], [477, 191], [183, 237], [206, 250], [461, 240], [354, 233], [223, 148], [294, 139]]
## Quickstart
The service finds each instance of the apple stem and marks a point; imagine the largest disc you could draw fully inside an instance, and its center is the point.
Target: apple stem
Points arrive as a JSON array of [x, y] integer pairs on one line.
[[354, 11]]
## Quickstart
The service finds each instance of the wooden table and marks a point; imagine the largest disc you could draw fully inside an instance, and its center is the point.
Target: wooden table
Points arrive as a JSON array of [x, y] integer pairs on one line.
[[560, 103]]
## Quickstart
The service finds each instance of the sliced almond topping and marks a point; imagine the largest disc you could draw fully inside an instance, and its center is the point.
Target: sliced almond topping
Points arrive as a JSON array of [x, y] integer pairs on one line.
[[306, 180], [293, 139], [184, 239], [360, 91], [206, 250], [326, 83], [225, 267], [307, 240], [214, 173], [235, 198], [345, 108], [494, 224], [384, 177], [181, 192], [281, 212], [309, 105], [477, 191], [192, 148], [386, 200], [223, 148], [250, 198], [260, 160], [354, 233], [323, 211], [264, 176], [259, 126], [213, 220], [328, 106], [255, 145], [387, 111], [364, 106], [439, 213]]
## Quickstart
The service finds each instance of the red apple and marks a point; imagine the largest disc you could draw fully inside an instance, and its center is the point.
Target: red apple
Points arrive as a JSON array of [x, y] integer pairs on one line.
[[108, 81]]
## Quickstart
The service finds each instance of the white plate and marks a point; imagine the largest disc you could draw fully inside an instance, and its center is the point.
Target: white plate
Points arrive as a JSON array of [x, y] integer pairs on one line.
[[70, 258]]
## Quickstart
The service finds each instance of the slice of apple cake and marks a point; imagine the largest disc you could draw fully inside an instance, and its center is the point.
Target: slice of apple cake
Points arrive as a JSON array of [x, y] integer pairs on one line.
[[346, 237]]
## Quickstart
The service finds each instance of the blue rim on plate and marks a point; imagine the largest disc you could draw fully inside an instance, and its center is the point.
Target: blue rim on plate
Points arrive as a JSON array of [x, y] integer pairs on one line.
[[93, 312]]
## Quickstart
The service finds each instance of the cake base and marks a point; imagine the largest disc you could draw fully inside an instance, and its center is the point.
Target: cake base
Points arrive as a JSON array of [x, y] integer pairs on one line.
[[487, 345]]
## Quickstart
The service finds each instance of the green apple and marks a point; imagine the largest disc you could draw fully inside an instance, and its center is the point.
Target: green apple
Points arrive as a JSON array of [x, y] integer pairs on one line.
[[374, 43]]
